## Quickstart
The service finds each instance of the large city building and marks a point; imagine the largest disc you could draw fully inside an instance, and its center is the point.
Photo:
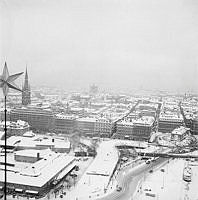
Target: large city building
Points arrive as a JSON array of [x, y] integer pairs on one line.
[[64, 124], [103, 127], [170, 117], [124, 130], [167, 123], [142, 128], [37, 118], [189, 111], [194, 127], [86, 125], [95, 126], [136, 129]]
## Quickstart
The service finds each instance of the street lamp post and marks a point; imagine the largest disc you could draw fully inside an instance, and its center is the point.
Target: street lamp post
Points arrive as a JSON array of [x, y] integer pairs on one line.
[[5, 149], [6, 82], [162, 170]]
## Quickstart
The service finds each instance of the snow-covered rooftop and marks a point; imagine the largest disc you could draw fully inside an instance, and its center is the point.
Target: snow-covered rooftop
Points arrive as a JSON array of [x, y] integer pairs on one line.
[[87, 119], [36, 141], [39, 173], [14, 125], [61, 116], [180, 131]]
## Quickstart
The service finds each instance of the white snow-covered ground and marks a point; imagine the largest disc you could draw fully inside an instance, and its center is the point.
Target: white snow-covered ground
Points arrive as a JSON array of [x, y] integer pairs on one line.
[[96, 178], [167, 183], [93, 186]]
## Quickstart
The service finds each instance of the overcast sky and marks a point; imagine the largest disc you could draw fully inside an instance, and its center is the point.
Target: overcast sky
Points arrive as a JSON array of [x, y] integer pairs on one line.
[[118, 44]]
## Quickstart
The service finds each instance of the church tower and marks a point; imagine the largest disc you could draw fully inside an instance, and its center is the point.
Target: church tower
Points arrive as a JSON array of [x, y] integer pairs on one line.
[[26, 93]]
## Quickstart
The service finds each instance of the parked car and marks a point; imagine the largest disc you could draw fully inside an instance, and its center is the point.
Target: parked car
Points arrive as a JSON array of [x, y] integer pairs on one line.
[[118, 188]]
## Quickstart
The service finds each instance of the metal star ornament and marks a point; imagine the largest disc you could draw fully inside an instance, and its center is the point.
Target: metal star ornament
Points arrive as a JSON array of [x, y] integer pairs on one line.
[[7, 81]]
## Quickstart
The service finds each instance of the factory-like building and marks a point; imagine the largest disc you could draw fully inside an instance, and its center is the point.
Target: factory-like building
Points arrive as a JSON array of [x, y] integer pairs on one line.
[[37, 118], [34, 173]]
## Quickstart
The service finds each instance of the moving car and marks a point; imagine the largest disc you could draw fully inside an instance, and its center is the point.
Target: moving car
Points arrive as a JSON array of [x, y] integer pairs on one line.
[[187, 174], [118, 188]]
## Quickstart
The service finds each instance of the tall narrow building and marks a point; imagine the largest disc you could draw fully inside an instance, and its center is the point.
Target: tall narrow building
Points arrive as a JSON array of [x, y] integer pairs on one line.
[[26, 93]]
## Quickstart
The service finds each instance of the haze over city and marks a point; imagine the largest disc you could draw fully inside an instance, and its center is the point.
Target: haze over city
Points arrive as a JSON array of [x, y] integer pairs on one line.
[[99, 99], [116, 44]]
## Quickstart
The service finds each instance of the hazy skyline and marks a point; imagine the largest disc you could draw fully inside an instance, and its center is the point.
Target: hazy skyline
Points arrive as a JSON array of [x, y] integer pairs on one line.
[[118, 44]]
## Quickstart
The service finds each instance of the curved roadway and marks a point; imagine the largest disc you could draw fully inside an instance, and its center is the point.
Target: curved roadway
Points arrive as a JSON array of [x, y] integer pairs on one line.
[[128, 179]]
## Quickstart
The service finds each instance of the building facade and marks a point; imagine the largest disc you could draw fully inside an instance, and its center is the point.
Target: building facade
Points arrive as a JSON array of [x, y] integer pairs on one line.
[[141, 131], [86, 125], [124, 130], [37, 118], [103, 127], [194, 127], [136, 129], [168, 123], [64, 124]]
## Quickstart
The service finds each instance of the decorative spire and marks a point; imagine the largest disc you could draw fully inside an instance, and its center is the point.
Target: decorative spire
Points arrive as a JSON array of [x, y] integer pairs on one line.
[[26, 74], [26, 82], [7, 81]]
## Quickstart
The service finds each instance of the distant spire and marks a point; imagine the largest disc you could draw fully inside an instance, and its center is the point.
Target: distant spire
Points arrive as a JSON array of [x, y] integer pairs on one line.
[[26, 83], [26, 94], [26, 74]]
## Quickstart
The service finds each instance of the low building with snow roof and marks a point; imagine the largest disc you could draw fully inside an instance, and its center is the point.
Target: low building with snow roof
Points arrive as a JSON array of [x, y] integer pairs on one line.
[[37, 142], [35, 176], [15, 128], [180, 133], [30, 155]]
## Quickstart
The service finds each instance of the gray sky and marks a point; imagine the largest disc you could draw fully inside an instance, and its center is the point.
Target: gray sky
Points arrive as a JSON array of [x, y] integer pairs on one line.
[[118, 44]]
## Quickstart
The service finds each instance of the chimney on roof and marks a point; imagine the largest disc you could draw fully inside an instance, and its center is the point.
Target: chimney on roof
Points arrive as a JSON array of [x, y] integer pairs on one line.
[[38, 156]]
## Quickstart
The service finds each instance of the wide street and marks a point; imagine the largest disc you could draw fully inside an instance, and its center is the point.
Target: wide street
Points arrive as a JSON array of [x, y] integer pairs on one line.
[[129, 177]]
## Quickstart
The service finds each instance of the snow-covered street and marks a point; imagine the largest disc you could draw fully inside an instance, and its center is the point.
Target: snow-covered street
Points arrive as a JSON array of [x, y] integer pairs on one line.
[[167, 183]]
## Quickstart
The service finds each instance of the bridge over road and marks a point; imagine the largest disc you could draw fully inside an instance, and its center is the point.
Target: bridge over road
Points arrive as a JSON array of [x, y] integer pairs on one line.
[[168, 155]]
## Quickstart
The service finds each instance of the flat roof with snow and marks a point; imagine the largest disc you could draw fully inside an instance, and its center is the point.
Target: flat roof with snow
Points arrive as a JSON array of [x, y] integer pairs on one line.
[[36, 141], [41, 172]]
